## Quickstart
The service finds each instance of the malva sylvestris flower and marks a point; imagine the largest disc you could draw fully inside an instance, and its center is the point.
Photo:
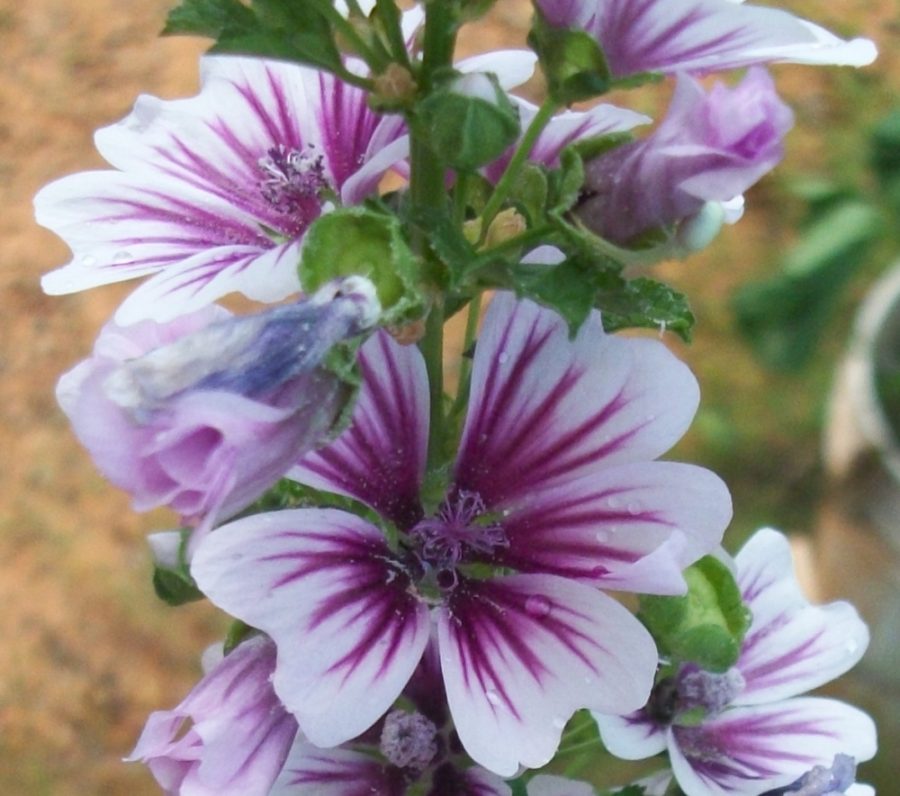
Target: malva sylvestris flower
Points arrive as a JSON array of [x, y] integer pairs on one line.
[[554, 495]]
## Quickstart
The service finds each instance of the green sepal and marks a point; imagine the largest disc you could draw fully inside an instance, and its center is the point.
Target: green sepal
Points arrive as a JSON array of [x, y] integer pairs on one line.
[[237, 632], [270, 28], [571, 60], [518, 787], [466, 132], [530, 192], [564, 183], [643, 303], [707, 625], [370, 243], [174, 585]]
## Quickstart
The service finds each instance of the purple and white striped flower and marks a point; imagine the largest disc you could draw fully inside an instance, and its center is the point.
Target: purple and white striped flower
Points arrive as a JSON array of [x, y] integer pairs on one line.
[[757, 734], [213, 194], [700, 35], [229, 737], [554, 495], [206, 412], [710, 147]]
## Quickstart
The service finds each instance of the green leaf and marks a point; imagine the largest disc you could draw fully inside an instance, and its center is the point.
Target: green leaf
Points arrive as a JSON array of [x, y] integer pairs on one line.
[[644, 303], [530, 191], [206, 17], [271, 28], [565, 182], [705, 626], [174, 585], [370, 243]]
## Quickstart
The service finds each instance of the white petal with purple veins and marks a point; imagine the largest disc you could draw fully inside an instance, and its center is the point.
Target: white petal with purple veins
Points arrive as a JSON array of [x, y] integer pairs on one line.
[[521, 654], [749, 750], [545, 410], [334, 772], [631, 737], [707, 35], [323, 585], [380, 458], [792, 646], [607, 527]]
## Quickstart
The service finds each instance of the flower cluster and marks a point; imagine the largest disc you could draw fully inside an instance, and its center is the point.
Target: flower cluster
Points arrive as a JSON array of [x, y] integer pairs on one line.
[[420, 582]]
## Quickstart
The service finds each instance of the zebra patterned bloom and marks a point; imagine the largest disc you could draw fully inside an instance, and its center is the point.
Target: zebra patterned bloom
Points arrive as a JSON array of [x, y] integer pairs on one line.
[[554, 496]]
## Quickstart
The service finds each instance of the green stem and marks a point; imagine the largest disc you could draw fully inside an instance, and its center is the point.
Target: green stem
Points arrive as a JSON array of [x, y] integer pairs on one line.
[[376, 61], [465, 366], [523, 150], [427, 193]]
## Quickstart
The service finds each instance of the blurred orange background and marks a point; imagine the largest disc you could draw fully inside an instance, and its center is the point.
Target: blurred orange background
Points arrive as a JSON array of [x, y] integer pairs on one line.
[[87, 649]]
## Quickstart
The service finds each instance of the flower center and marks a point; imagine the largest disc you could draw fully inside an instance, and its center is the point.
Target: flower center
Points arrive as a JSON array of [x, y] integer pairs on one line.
[[293, 181], [461, 531], [408, 740], [693, 689]]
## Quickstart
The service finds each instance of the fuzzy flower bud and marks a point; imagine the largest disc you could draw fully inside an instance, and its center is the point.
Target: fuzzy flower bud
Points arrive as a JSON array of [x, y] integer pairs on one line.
[[710, 148], [205, 413]]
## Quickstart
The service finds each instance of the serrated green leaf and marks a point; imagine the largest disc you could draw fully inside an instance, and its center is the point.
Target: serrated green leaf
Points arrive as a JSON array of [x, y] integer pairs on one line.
[[206, 17], [644, 303]]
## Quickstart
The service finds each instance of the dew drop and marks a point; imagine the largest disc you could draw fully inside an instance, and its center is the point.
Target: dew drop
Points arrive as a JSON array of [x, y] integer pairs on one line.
[[613, 503], [122, 257], [633, 508], [559, 722], [588, 680], [602, 536], [87, 261], [537, 605], [851, 646], [492, 696], [503, 357]]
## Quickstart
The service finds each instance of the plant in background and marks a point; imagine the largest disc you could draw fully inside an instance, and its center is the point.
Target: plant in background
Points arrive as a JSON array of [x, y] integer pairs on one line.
[[417, 579]]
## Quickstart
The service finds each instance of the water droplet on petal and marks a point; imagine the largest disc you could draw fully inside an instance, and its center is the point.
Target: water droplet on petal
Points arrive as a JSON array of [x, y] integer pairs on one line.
[[613, 503], [87, 261], [122, 257], [633, 508], [559, 722], [851, 646], [602, 536], [503, 357], [492, 696], [537, 605]]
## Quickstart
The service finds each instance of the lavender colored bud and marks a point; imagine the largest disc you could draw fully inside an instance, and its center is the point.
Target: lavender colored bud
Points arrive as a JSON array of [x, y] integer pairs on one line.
[[230, 736], [709, 148], [205, 413]]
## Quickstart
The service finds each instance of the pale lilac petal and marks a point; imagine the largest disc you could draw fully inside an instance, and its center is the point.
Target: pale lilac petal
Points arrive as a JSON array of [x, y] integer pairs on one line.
[[323, 585], [545, 410], [631, 527], [707, 35], [549, 785], [335, 772], [749, 750], [792, 646], [380, 458], [521, 654], [631, 737]]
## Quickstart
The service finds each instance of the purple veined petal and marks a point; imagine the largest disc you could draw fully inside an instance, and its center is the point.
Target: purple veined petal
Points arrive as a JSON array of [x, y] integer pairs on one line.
[[266, 275], [512, 67], [615, 528], [521, 654], [380, 458], [565, 128], [335, 772], [711, 35], [545, 410], [323, 585], [746, 751], [792, 646], [634, 736], [475, 781], [550, 785], [230, 735]]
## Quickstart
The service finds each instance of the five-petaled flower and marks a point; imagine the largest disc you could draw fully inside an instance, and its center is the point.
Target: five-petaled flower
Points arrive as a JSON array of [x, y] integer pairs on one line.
[[757, 734], [554, 494]]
